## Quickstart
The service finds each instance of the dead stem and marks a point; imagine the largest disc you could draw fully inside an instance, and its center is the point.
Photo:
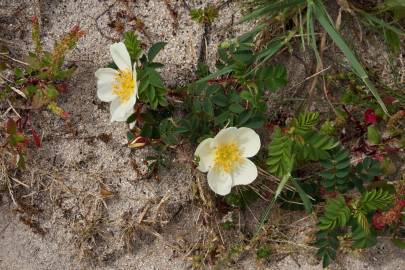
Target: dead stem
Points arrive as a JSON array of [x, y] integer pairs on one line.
[[13, 59]]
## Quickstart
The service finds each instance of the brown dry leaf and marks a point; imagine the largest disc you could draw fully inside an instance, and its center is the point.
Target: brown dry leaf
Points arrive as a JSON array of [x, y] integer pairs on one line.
[[105, 193], [345, 5]]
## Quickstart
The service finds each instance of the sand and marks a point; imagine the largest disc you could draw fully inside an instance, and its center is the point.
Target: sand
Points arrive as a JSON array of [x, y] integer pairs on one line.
[[74, 165]]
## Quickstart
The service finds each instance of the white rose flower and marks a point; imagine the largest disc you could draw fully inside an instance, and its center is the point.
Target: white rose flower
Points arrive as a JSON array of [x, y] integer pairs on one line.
[[118, 86], [225, 158]]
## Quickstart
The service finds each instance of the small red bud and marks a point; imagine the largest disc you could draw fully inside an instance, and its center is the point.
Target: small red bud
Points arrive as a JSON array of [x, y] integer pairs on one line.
[[401, 203], [61, 87], [139, 142], [64, 115], [376, 221], [34, 19], [370, 117]]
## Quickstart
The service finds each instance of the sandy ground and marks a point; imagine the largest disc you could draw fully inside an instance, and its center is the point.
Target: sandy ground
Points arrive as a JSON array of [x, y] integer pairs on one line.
[[74, 165]]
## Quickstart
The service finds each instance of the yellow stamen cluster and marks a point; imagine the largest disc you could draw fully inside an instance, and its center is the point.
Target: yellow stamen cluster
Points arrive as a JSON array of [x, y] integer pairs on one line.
[[124, 85], [227, 156]]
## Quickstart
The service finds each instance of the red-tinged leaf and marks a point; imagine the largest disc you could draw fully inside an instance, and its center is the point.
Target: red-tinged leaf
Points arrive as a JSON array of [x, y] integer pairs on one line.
[[389, 100], [370, 117], [379, 157], [64, 115], [36, 138], [61, 87], [269, 126], [11, 126]]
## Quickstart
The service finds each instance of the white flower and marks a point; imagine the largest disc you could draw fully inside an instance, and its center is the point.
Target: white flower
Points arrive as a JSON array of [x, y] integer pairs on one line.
[[225, 158], [118, 86]]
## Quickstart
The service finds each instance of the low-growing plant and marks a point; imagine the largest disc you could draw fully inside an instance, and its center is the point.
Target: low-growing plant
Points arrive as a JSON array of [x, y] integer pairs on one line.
[[236, 95], [34, 87], [353, 218], [204, 15]]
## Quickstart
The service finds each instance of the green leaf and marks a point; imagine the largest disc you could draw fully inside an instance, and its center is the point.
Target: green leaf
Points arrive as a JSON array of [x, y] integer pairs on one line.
[[220, 100], [273, 77], [376, 199], [131, 118], [151, 93], [246, 95], [373, 135], [280, 157], [167, 132], [336, 214], [365, 171], [155, 65], [327, 243], [154, 78], [362, 221], [133, 45], [18, 73], [315, 146], [163, 101], [208, 107], [155, 49], [305, 122], [236, 108], [222, 118], [337, 168], [51, 92], [363, 239], [243, 118], [255, 122]]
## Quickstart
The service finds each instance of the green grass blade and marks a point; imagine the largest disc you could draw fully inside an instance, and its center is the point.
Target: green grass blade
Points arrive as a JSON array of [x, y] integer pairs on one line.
[[222, 71], [266, 213], [306, 200], [271, 8], [376, 21], [321, 16], [272, 48], [252, 33], [311, 31]]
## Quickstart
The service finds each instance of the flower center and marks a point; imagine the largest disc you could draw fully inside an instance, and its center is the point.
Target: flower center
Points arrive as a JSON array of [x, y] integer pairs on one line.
[[227, 156], [124, 85]]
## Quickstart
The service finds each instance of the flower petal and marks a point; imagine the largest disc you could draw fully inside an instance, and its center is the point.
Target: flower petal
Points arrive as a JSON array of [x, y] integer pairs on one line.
[[219, 181], [105, 80], [120, 55], [245, 173], [134, 76], [205, 151], [248, 141], [226, 135], [121, 111]]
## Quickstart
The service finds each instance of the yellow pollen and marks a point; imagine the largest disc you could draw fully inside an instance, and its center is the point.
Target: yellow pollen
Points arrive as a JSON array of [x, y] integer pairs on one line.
[[227, 156], [124, 85]]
